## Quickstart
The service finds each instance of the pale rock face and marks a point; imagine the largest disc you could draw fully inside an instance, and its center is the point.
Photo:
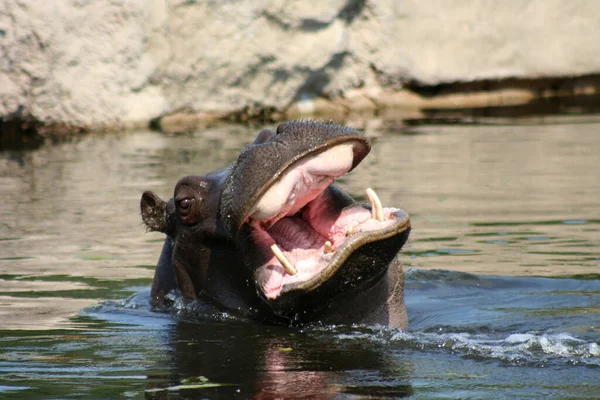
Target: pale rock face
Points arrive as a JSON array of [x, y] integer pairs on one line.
[[95, 63], [433, 42]]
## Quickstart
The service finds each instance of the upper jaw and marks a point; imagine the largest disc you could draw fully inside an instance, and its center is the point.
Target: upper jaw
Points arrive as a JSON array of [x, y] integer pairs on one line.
[[301, 183], [262, 164]]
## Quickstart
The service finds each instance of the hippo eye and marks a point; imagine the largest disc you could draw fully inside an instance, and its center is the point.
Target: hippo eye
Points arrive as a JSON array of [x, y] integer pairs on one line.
[[185, 203], [185, 207], [188, 209]]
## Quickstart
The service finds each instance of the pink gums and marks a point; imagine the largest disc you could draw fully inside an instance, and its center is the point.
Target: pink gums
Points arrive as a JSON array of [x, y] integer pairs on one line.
[[303, 243]]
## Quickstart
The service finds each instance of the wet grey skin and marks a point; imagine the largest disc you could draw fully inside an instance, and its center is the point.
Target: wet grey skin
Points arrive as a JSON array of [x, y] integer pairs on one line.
[[217, 249]]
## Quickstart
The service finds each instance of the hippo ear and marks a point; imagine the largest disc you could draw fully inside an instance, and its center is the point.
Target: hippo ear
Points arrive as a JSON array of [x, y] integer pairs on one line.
[[154, 212], [263, 136]]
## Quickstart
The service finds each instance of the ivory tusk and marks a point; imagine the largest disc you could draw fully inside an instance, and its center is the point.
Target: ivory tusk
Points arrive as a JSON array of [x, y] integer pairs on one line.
[[376, 207], [285, 263]]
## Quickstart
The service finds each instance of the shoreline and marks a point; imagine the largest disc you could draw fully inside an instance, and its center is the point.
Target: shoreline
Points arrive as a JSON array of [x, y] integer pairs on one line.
[[546, 96]]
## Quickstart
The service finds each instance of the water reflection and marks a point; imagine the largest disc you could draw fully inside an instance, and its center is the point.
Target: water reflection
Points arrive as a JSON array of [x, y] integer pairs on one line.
[[245, 360], [460, 182]]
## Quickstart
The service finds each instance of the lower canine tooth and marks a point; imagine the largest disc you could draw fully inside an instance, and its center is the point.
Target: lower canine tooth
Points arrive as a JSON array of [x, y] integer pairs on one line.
[[285, 263], [376, 207], [328, 248]]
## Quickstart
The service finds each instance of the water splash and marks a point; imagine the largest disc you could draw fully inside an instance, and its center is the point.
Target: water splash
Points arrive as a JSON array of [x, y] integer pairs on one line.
[[530, 348], [178, 309]]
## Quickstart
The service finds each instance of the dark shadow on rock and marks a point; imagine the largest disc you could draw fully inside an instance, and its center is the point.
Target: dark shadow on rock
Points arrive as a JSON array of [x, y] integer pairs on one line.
[[553, 86], [317, 80], [351, 10], [20, 132]]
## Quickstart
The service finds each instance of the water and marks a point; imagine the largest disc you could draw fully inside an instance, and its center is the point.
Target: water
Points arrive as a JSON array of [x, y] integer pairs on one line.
[[503, 273]]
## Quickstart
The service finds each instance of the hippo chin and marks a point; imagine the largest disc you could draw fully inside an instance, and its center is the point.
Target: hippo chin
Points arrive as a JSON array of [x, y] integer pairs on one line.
[[272, 237]]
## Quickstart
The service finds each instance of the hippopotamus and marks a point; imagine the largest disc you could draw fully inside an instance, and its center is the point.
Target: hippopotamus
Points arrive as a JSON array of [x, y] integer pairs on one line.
[[274, 239]]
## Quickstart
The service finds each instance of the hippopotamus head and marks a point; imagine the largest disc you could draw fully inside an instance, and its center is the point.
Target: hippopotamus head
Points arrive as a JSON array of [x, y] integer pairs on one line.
[[273, 238]]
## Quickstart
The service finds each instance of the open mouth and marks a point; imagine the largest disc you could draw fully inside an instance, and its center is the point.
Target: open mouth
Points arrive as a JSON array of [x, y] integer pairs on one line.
[[305, 231]]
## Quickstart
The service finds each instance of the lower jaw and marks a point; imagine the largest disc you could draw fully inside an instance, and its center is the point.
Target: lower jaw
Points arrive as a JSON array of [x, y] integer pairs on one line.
[[355, 266], [305, 306]]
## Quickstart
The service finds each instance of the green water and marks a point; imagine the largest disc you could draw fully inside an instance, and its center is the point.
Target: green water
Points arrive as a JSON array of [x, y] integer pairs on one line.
[[503, 281]]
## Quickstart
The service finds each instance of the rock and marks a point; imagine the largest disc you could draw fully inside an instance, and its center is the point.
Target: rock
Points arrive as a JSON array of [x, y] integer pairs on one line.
[[98, 65]]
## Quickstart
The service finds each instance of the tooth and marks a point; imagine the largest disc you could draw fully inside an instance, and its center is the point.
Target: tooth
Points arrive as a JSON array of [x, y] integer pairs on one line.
[[350, 231], [285, 263], [376, 207], [328, 248]]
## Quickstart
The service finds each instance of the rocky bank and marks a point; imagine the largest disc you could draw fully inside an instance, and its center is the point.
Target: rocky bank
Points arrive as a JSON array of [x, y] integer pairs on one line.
[[80, 65]]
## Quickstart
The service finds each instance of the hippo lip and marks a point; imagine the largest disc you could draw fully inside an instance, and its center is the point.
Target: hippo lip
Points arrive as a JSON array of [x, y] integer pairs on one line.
[[396, 221], [303, 236]]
